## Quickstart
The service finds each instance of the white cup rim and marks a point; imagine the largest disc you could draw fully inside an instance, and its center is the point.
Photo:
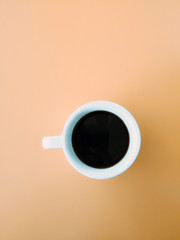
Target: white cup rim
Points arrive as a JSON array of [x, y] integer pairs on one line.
[[125, 162]]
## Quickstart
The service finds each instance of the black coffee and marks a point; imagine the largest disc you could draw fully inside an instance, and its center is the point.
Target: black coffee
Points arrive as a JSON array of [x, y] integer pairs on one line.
[[100, 139]]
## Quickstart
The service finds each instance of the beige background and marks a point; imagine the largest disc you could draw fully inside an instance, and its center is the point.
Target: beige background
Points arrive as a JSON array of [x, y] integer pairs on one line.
[[58, 55]]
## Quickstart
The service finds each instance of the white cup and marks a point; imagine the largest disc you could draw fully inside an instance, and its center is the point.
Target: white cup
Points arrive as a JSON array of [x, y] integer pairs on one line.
[[64, 140]]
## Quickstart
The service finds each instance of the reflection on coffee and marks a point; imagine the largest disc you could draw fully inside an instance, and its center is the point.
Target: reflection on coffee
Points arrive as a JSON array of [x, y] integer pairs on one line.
[[100, 139]]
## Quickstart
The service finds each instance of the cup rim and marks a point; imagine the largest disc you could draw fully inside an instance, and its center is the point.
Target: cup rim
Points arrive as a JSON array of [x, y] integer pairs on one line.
[[134, 140]]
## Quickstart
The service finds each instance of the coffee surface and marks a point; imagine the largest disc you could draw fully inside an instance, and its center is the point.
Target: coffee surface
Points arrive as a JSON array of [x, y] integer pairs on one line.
[[100, 139]]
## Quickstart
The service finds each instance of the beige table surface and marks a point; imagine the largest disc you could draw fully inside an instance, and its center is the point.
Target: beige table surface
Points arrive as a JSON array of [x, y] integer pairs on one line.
[[58, 55]]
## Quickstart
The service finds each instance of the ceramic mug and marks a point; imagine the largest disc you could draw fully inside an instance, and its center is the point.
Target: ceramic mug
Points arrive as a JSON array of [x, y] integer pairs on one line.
[[64, 141]]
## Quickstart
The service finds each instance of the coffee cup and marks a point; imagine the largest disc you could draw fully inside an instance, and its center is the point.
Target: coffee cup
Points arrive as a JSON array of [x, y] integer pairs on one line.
[[100, 139]]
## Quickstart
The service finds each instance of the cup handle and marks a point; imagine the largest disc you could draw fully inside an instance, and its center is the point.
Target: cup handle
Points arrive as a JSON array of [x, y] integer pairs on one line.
[[52, 142]]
